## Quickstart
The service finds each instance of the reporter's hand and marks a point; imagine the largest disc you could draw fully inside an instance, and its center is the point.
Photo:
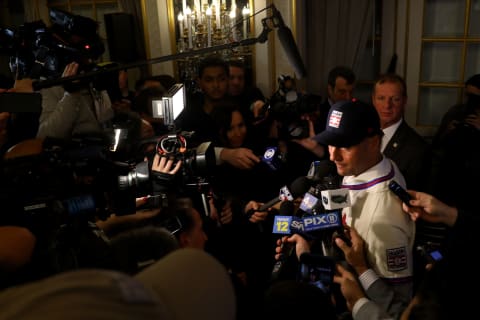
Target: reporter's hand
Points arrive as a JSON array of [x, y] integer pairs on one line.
[[354, 254], [163, 173], [242, 158], [226, 216], [223, 217], [473, 120], [146, 130], [164, 164], [257, 107], [351, 289], [300, 243], [71, 69], [257, 216], [114, 221], [430, 209], [310, 144], [122, 105]]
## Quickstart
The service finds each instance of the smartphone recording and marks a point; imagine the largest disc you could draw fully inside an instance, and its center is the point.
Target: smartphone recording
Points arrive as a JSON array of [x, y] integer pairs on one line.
[[317, 270]]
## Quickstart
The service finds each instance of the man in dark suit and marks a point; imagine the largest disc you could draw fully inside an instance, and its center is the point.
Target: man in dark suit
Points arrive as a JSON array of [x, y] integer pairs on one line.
[[341, 83], [401, 143]]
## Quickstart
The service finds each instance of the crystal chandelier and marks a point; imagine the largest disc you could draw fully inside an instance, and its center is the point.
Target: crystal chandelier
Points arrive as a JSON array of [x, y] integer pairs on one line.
[[203, 24]]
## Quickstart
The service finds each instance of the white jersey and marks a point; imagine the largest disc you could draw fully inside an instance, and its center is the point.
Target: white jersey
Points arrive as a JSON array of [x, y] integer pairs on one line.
[[377, 214]]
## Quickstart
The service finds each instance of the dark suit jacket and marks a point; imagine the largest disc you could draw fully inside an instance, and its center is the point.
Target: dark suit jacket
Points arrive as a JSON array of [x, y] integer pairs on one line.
[[413, 156]]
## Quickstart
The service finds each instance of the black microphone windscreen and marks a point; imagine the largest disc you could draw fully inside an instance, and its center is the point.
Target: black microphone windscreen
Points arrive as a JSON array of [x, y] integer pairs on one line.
[[324, 169], [291, 50], [393, 64], [288, 44], [300, 186], [287, 208]]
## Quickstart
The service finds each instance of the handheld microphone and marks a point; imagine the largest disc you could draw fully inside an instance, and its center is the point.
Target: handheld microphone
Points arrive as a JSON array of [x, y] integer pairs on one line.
[[287, 208], [288, 44], [298, 187], [273, 158], [324, 175], [287, 224], [319, 170], [324, 203], [336, 198]]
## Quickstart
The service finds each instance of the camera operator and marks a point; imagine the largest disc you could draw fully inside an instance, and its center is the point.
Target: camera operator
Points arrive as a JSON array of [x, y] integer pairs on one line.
[[294, 124], [69, 113], [250, 97], [81, 106], [341, 84]]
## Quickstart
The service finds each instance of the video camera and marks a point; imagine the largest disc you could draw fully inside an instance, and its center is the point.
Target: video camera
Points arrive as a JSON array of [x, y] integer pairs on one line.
[[73, 181], [289, 115], [197, 163], [37, 51]]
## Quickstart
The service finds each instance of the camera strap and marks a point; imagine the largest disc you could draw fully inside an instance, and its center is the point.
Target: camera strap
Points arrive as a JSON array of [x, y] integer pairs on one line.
[[103, 105]]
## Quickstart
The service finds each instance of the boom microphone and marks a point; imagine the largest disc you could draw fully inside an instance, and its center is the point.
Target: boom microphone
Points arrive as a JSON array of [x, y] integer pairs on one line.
[[288, 44]]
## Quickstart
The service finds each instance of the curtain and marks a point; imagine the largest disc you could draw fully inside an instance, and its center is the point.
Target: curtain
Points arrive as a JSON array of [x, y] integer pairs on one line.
[[36, 10], [134, 8], [336, 34]]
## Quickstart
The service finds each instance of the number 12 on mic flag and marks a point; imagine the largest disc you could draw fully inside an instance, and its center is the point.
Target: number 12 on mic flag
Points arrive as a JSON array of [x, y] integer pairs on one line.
[[281, 224]]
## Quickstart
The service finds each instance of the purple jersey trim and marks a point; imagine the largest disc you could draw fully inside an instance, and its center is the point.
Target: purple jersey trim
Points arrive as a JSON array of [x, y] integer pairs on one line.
[[371, 183]]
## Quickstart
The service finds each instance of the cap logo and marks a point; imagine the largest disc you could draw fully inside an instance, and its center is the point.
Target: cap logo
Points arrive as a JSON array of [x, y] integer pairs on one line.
[[335, 118]]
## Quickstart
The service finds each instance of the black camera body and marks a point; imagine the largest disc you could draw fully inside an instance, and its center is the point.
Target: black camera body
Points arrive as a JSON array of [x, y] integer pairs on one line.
[[72, 182], [289, 115], [197, 163], [37, 51]]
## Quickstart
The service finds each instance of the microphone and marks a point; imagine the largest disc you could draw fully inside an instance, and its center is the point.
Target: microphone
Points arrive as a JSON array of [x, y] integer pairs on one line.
[[393, 64], [323, 206], [298, 187], [273, 158], [324, 174], [287, 224], [287, 208], [288, 44], [336, 198], [321, 169]]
